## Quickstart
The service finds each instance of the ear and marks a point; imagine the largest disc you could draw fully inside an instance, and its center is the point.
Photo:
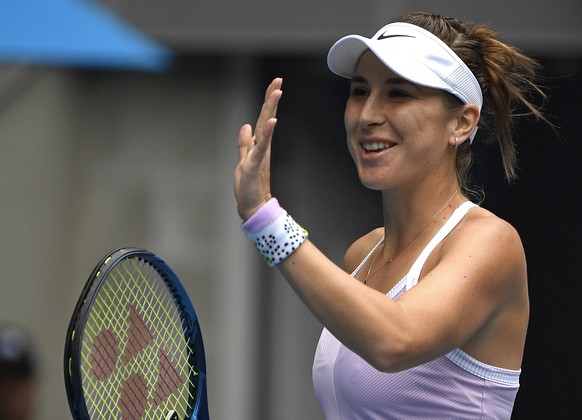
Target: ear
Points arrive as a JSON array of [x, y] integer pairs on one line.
[[467, 120]]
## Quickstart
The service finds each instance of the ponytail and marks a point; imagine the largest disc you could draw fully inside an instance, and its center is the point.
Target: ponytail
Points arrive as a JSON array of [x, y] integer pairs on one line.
[[508, 83], [507, 79]]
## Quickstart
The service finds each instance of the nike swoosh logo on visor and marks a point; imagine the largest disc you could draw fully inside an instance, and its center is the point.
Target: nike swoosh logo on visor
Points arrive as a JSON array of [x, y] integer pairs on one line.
[[381, 37]]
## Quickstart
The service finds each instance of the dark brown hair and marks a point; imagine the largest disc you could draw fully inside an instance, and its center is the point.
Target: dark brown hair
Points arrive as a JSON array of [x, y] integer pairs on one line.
[[507, 78]]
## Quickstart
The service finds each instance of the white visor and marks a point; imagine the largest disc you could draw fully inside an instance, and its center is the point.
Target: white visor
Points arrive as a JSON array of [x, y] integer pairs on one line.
[[414, 54]]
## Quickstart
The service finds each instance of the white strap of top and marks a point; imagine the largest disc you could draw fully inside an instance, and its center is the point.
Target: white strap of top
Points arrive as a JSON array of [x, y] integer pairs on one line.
[[416, 268], [359, 267], [414, 273]]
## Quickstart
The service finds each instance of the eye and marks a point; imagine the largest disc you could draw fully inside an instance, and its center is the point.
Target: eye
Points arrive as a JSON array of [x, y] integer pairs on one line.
[[398, 93], [358, 90]]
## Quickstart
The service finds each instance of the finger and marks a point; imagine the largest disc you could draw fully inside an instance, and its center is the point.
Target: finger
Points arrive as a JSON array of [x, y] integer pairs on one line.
[[263, 144], [267, 119], [245, 139], [272, 96], [269, 108], [275, 84]]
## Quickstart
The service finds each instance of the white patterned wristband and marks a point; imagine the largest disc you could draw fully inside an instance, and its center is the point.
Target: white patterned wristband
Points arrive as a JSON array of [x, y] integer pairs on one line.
[[274, 232]]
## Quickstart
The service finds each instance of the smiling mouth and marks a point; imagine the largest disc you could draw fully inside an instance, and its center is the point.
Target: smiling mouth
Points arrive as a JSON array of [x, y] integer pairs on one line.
[[375, 147]]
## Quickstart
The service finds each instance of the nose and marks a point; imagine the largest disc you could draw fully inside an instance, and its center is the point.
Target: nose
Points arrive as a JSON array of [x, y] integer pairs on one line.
[[371, 113]]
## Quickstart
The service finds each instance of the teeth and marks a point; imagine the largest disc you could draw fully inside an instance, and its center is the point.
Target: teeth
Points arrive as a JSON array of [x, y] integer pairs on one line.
[[371, 147]]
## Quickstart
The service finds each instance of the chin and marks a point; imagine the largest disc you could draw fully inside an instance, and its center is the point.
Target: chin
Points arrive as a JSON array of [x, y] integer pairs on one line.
[[374, 180], [375, 185]]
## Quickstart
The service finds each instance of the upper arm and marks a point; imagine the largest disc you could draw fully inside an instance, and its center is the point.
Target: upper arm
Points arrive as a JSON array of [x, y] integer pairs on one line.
[[479, 272]]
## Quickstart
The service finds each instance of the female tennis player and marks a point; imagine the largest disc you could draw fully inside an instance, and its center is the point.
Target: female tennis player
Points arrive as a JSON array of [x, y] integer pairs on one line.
[[428, 316]]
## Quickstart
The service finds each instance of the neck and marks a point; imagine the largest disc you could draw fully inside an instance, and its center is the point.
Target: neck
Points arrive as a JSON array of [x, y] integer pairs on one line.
[[413, 213]]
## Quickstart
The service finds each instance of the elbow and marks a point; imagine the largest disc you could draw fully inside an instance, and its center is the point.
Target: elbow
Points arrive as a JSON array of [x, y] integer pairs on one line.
[[391, 357], [387, 364]]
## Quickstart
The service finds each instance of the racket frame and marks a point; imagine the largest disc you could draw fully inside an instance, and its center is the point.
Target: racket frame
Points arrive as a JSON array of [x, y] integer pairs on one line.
[[73, 342]]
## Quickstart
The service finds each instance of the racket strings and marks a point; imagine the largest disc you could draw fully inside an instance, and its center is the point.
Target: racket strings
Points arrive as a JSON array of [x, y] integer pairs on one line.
[[169, 379], [133, 346]]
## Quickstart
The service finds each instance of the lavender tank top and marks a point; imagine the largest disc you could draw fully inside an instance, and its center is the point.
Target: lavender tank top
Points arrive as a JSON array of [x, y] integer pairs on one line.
[[453, 386]]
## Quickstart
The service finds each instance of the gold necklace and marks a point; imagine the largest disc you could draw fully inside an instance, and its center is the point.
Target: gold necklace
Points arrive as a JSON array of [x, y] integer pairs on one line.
[[409, 243]]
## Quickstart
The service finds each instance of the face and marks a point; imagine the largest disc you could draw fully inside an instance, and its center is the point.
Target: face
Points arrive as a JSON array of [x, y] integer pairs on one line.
[[398, 132]]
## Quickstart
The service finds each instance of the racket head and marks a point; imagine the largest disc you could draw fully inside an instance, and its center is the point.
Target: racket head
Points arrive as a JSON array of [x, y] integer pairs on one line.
[[134, 347]]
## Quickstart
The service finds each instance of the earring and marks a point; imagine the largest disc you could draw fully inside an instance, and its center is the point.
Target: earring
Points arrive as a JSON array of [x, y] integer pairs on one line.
[[456, 142]]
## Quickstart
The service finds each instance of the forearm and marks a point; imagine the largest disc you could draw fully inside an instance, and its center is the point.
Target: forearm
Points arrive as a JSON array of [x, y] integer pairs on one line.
[[363, 319]]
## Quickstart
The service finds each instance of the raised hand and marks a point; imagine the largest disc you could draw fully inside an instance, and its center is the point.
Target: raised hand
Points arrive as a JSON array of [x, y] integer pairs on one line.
[[252, 178]]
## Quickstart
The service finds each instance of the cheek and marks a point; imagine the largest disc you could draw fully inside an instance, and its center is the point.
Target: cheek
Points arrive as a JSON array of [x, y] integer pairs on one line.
[[423, 128], [349, 122], [352, 113], [349, 143], [348, 118]]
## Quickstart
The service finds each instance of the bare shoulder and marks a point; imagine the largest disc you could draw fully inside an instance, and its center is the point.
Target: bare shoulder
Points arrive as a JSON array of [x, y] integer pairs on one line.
[[360, 248], [482, 225], [491, 241]]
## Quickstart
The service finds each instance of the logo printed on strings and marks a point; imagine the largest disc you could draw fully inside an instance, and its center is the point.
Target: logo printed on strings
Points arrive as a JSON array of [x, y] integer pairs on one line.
[[106, 362]]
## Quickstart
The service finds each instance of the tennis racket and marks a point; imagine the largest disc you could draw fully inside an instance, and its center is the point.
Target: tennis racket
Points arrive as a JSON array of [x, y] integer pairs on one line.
[[134, 347]]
